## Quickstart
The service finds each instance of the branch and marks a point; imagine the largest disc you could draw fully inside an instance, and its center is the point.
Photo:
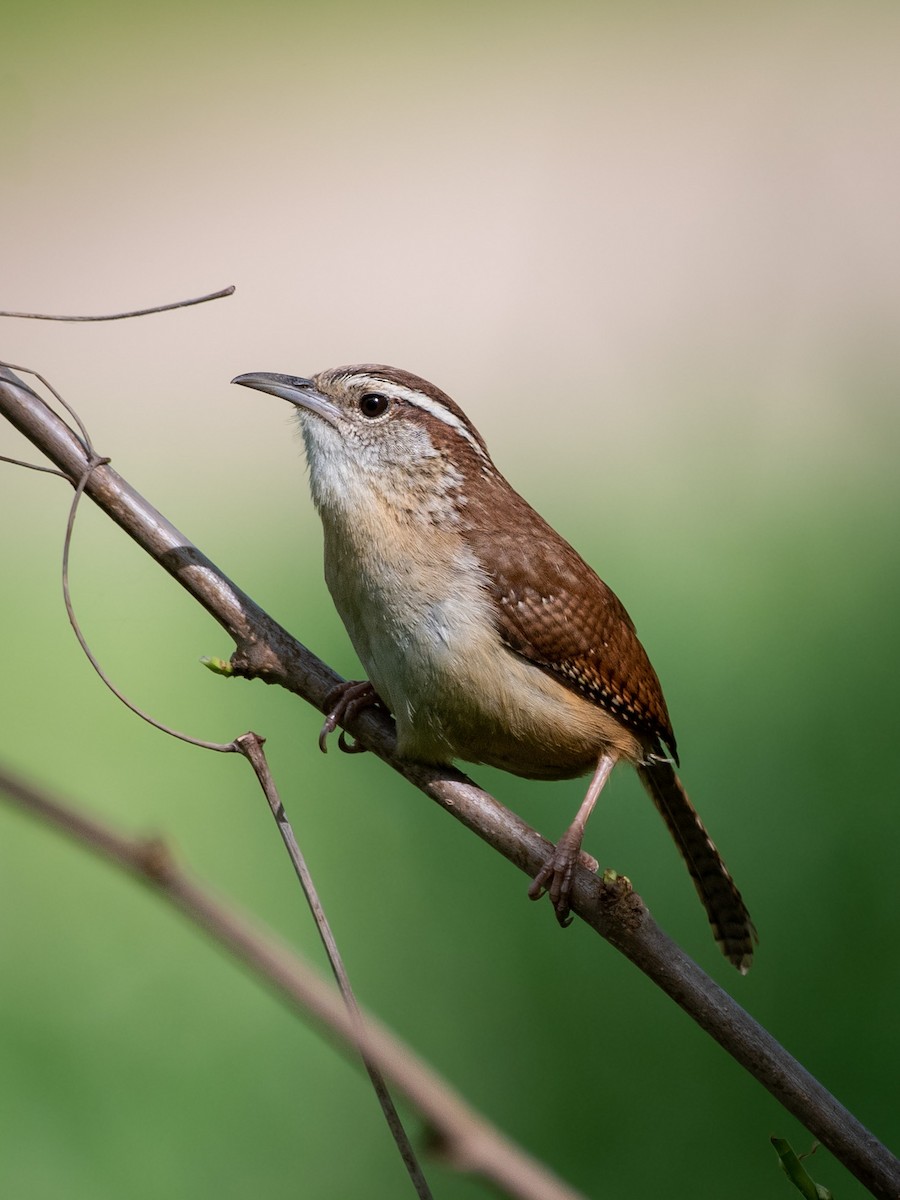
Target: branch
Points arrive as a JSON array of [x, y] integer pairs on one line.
[[251, 746], [267, 651], [466, 1140], [124, 316]]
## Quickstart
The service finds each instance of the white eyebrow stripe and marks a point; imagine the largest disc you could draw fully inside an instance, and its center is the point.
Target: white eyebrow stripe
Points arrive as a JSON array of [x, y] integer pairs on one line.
[[426, 403]]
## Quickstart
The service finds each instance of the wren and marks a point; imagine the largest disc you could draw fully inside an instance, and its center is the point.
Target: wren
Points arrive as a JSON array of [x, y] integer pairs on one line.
[[481, 629]]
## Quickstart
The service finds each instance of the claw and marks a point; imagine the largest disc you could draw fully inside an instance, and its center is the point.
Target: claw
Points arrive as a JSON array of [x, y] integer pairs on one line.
[[349, 747], [343, 703], [555, 878], [328, 727]]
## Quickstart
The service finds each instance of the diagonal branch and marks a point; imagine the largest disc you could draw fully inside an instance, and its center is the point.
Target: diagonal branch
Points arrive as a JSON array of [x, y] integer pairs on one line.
[[467, 1141], [267, 651]]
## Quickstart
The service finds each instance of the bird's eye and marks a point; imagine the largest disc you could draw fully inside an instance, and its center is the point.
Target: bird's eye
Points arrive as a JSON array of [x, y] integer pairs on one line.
[[373, 404]]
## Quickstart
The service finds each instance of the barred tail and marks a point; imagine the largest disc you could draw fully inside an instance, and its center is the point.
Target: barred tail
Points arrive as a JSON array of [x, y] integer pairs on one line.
[[727, 912]]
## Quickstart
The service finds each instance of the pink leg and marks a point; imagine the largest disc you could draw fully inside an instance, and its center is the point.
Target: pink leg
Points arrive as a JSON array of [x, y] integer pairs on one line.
[[556, 874]]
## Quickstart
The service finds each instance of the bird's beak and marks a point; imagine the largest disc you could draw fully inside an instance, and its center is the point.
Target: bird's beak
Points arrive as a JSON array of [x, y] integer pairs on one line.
[[301, 392]]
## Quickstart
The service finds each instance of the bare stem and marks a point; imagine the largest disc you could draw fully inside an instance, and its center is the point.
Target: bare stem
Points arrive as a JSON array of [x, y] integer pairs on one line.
[[251, 746], [267, 651], [122, 316]]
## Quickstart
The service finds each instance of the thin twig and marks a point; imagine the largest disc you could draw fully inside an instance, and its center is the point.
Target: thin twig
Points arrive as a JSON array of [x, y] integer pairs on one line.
[[250, 745], [95, 461], [122, 316], [19, 462], [467, 1141], [60, 400], [268, 652]]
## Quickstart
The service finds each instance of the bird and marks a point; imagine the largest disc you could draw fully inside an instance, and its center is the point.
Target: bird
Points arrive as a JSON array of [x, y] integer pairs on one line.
[[481, 629]]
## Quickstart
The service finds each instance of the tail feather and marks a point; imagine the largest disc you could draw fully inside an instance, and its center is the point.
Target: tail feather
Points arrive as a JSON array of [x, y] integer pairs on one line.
[[733, 929]]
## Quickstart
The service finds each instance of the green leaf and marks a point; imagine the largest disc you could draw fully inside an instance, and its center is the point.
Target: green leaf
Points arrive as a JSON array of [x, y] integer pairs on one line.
[[218, 666], [797, 1173]]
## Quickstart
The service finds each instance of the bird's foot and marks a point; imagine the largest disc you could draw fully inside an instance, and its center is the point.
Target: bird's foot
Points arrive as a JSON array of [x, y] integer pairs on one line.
[[556, 875], [343, 703]]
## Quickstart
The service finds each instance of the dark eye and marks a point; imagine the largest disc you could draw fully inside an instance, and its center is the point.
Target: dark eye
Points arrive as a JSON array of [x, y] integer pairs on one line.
[[373, 404]]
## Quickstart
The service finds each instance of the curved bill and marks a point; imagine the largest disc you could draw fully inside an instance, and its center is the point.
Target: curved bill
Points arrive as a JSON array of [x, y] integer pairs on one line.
[[294, 389]]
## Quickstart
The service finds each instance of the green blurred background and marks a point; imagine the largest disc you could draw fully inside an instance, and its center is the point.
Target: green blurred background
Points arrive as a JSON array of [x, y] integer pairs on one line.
[[654, 252]]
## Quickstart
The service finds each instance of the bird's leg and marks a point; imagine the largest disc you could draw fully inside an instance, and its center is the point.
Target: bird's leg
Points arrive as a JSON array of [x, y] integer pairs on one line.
[[556, 874], [343, 703]]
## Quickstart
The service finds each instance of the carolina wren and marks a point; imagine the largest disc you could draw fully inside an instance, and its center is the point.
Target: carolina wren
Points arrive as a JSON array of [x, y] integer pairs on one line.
[[486, 635]]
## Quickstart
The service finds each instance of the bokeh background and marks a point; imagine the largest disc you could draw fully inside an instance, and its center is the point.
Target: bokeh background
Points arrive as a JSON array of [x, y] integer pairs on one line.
[[654, 251]]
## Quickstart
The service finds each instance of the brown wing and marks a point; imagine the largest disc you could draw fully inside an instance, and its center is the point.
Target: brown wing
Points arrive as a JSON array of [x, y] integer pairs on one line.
[[555, 611]]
